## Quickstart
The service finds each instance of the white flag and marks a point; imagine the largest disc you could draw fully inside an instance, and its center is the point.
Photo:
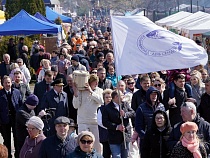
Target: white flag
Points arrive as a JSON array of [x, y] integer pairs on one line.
[[140, 46]]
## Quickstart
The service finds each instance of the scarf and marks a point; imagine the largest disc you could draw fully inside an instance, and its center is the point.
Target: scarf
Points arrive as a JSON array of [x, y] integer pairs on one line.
[[192, 146]]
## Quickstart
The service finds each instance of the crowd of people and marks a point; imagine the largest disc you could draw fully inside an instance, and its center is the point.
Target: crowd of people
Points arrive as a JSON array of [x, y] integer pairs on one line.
[[156, 115]]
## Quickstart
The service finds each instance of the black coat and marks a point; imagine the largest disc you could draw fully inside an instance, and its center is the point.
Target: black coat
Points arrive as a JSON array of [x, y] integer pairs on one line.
[[111, 119], [174, 113], [39, 90], [72, 110], [4, 109], [22, 116], [203, 133], [180, 151], [154, 144], [204, 107], [53, 147]]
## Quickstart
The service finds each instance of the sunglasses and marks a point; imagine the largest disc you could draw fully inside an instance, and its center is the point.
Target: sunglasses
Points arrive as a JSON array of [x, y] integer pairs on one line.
[[86, 141], [129, 83], [157, 85]]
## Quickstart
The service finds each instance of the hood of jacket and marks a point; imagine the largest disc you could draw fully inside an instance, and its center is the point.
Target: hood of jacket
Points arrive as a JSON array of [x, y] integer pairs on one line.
[[149, 91]]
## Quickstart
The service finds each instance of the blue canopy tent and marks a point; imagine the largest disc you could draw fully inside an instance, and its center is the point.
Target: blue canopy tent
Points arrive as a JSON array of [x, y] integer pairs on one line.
[[52, 15], [43, 18], [25, 24]]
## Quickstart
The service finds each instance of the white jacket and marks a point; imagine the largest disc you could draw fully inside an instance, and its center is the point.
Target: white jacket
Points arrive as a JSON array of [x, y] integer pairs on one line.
[[87, 106], [26, 72]]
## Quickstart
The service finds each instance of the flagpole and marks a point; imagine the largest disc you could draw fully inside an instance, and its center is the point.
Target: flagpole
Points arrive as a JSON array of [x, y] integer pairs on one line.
[[121, 117], [120, 106]]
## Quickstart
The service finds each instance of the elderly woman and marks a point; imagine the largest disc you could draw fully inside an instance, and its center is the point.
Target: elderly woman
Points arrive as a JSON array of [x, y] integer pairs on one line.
[[33, 142], [85, 149], [87, 103], [103, 133], [189, 145], [198, 87]]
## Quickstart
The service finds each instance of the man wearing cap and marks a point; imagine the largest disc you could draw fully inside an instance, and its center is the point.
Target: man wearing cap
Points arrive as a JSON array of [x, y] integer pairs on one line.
[[42, 87], [189, 113], [10, 102], [57, 75], [23, 114], [56, 101], [75, 65], [60, 144]]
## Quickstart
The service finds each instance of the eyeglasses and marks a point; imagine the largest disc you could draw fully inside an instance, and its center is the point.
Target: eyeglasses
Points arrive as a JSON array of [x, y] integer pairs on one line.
[[129, 83], [157, 85], [159, 118], [86, 141], [94, 72], [30, 129], [19, 62]]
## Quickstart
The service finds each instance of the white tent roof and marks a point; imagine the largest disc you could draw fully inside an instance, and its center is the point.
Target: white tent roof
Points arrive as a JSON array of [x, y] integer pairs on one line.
[[173, 18], [197, 29], [192, 19], [140, 13]]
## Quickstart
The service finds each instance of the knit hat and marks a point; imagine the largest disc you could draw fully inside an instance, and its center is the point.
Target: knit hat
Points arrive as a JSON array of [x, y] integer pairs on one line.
[[32, 100], [75, 58], [85, 133], [36, 122], [188, 126]]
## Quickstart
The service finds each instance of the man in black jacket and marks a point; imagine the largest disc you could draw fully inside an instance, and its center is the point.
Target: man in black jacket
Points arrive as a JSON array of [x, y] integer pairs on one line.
[[188, 113], [60, 144], [42, 87], [111, 118], [23, 114], [204, 107]]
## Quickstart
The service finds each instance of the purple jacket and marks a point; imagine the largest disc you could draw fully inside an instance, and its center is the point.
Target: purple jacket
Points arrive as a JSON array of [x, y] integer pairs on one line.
[[31, 147]]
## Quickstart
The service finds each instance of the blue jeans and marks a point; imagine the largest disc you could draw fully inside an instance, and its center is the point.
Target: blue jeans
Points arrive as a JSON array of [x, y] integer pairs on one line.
[[119, 151]]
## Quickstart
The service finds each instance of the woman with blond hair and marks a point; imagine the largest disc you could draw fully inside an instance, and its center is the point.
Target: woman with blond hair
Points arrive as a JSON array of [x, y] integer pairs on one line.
[[87, 103], [103, 132], [189, 145], [198, 87]]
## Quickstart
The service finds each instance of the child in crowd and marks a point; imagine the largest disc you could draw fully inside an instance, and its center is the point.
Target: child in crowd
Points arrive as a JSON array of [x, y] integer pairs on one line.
[[63, 64], [72, 129]]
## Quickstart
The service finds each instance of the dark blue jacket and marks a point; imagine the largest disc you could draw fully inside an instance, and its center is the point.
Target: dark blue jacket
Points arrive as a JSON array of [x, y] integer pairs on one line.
[[203, 133], [145, 112], [103, 133], [53, 147], [51, 100], [111, 119], [39, 90], [16, 102], [78, 153]]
